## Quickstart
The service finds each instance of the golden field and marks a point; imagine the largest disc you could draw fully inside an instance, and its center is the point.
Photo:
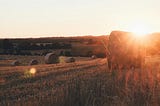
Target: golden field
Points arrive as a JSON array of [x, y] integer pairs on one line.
[[83, 83]]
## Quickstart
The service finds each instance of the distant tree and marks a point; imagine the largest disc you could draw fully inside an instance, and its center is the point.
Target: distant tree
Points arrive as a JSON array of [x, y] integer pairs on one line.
[[48, 46], [57, 45], [89, 53], [34, 46], [67, 53], [0, 44], [41, 46], [7, 46], [17, 51], [24, 46], [61, 53], [67, 46]]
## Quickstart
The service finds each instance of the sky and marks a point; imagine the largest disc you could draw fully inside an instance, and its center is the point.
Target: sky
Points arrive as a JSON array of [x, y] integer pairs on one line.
[[48, 18]]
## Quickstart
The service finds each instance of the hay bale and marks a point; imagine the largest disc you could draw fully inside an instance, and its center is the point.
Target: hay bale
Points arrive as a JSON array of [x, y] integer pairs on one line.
[[33, 62], [94, 57], [15, 63], [51, 58], [70, 60]]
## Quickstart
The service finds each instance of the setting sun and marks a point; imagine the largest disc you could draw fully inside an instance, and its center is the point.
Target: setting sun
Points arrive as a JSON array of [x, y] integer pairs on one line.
[[140, 29]]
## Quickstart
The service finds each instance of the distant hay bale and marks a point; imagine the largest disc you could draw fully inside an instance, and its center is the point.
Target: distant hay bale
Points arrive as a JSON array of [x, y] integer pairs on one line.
[[33, 62], [51, 58], [15, 63], [70, 60], [94, 57]]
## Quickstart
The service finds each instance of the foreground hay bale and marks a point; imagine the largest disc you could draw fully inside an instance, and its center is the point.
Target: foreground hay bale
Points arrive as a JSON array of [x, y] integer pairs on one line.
[[70, 60], [15, 63], [124, 50], [51, 58], [94, 57], [33, 62]]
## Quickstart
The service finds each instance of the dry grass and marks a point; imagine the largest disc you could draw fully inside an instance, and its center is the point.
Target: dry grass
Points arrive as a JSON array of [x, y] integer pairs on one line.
[[24, 60], [86, 83]]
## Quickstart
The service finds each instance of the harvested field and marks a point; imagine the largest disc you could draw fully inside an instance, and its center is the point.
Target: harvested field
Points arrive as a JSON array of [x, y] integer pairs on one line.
[[8, 59], [87, 83]]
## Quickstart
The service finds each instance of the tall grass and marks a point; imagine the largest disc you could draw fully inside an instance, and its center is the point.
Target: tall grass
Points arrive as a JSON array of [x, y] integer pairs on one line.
[[119, 88]]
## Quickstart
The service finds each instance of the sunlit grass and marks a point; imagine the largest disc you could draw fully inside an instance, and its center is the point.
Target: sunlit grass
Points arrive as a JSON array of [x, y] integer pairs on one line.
[[62, 59], [30, 73], [82, 84]]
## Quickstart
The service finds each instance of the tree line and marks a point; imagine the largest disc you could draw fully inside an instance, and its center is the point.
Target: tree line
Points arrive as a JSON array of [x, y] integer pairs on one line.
[[7, 47]]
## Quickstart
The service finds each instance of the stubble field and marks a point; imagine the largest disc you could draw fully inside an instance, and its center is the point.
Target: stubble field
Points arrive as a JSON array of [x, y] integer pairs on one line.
[[83, 83]]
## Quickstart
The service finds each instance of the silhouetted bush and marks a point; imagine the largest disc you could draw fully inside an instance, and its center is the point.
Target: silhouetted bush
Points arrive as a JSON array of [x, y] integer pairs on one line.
[[24, 46], [89, 53], [67, 53], [61, 53], [101, 55]]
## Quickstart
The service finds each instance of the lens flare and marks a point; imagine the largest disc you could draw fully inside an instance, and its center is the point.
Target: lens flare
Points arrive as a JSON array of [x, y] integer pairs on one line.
[[32, 70]]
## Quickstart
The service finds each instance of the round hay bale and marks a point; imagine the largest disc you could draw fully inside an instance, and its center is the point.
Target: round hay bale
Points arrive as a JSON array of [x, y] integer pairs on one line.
[[33, 62], [94, 57], [15, 63], [51, 58], [70, 60]]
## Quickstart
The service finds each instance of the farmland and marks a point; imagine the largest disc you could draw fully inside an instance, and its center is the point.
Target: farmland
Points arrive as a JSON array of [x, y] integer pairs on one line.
[[83, 83], [79, 53], [68, 46]]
